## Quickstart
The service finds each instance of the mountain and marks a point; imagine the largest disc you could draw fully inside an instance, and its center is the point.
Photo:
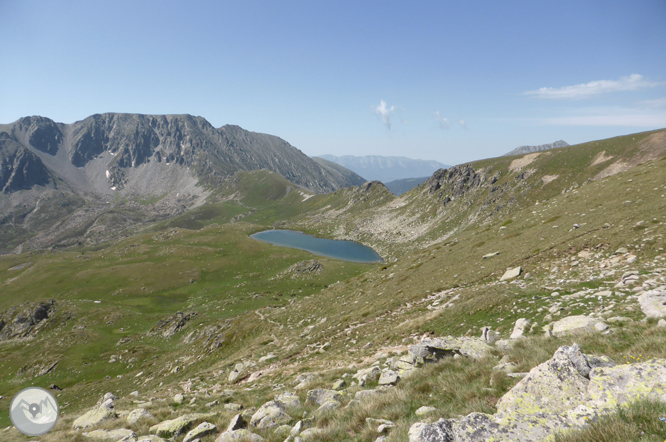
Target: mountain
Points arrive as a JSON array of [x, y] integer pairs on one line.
[[347, 174], [398, 187], [529, 149], [111, 172], [386, 169]]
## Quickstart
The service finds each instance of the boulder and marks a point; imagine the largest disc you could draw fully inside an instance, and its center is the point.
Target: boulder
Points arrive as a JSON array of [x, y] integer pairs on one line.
[[489, 336], [239, 436], [237, 423], [291, 401], [150, 438], [434, 349], [422, 411], [100, 412], [201, 430], [310, 435], [389, 377], [653, 303], [338, 385], [121, 435], [137, 414], [237, 373], [520, 327], [178, 398], [330, 404], [576, 324], [270, 415], [174, 427], [321, 395], [512, 273]]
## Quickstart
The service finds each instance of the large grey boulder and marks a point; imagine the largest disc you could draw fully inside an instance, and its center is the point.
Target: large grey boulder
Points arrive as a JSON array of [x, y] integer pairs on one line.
[[564, 392], [291, 401], [577, 324], [320, 395], [174, 427], [520, 327], [270, 415], [138, 414], [100, 412], [653, 303], [434, 349], [121, 435], [239, 436], [201, 430]]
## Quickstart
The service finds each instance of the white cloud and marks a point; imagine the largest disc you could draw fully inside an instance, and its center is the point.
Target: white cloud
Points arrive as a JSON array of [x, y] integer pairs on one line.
[[442, 121], [463, 124], [586, 90], [654, 104], [385, 112]]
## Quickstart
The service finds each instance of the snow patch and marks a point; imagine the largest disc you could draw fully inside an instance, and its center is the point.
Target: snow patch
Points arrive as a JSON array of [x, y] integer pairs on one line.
[[108, 174]]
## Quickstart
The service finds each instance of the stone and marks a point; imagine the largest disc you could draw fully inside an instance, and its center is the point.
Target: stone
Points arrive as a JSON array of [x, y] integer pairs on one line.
[[621, 251], [239, 436], [653, 303], [489, 336], [269, 357], [291, 401], [282, 431], [178, 398], [330, 404], [174, 427], [422, 411], [112, 435], [519, 328], [150, 438], [661, 323], [490, 255], [270, 415], [365, 394], [238, 373], [201, 430], [338, 385], [237, 423], [138, 414], [389, 377], [368, 374], [100, 412], [577, 324], [311, 434], [512, 273], [233, 407], [434, 349], [321, 395]]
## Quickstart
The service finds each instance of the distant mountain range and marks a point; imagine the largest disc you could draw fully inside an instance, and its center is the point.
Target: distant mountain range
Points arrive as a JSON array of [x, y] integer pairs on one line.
[[529, 149], [386, 169]]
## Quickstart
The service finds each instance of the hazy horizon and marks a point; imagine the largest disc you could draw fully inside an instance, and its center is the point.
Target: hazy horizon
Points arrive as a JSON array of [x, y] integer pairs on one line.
[[450, 82]]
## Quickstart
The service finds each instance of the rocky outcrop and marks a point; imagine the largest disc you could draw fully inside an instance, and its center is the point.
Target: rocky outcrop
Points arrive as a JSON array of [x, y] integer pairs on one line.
[[25, 320], [653, 302], [563, 392], [171, 325], [577, 324], [270, 415], [20, 168], [434, 349]]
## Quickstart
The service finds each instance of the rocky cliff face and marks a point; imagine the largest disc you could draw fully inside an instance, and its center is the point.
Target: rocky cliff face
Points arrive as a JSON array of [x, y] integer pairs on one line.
[[122, 142], [19, 167]]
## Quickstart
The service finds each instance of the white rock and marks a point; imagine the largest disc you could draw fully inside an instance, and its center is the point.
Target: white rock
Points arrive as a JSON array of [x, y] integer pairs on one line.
[[519, 328], [511, 273]]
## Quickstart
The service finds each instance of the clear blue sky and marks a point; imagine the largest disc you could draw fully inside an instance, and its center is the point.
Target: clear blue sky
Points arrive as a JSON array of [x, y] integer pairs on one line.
[[444, 80]]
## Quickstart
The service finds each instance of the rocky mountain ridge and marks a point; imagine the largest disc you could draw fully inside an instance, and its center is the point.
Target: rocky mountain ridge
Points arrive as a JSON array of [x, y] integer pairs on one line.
[[529, 149]]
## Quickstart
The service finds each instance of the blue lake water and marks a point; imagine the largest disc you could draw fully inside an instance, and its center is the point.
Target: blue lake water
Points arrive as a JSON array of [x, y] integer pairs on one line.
[[343, 250]]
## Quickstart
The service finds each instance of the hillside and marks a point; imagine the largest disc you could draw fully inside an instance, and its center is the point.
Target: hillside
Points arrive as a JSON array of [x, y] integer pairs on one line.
[[196, 322], [398, 187], [94, 180]]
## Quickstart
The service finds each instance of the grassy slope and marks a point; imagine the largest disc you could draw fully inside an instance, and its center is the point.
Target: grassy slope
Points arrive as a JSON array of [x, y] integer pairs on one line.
[[380, 305]]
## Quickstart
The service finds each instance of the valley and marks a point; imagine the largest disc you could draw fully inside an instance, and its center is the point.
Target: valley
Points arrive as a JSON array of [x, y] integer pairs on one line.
[[491, 268]]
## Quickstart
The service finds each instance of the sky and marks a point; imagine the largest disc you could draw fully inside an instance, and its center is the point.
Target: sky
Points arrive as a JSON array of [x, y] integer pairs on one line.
[[452, 81]]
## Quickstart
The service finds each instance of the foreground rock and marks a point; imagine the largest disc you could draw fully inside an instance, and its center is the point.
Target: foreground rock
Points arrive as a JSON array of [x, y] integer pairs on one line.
[[239, 436], [432, 350], [100, 412], [577, 324], [653, 303], [121, 435], [270, 415], [563, 392], [203, 429], [174, 427]]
